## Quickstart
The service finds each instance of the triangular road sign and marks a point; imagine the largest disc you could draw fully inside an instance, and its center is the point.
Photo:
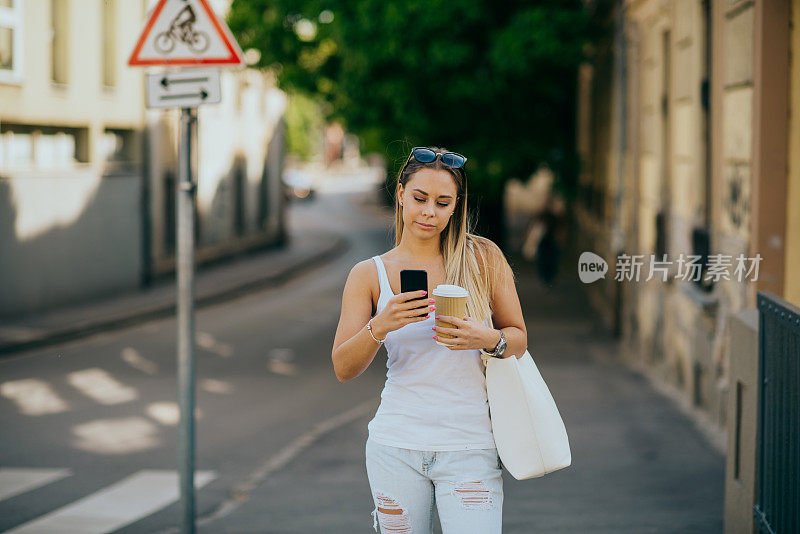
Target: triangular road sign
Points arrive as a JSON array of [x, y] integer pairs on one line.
[[185, 33]]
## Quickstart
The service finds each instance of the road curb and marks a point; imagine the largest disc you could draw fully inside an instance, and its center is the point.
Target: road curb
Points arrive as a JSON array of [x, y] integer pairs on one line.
[[335, 248]]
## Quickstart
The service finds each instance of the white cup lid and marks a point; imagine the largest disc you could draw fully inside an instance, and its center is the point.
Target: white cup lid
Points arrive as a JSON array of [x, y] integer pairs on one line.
[[449, 290]]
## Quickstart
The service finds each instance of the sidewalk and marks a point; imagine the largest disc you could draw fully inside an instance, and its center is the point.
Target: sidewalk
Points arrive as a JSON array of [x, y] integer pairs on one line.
[[213, 283], [639, 465]]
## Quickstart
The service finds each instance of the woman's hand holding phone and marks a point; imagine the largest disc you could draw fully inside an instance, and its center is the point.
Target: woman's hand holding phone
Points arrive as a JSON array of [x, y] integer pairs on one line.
[[401, 310]]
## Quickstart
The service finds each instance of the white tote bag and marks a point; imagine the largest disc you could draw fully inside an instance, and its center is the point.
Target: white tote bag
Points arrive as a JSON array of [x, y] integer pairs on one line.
[[530, 436]]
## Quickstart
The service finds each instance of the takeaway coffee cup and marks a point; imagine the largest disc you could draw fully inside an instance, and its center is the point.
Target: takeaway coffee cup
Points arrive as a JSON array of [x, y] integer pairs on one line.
[[450, 300]]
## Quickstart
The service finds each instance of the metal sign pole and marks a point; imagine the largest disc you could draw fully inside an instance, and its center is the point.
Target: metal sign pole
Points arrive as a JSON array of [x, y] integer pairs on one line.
[[207, 40], [185, 230]]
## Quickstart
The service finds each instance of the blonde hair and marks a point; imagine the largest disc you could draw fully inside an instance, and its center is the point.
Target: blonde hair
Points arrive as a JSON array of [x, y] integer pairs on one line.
[[470, 261]]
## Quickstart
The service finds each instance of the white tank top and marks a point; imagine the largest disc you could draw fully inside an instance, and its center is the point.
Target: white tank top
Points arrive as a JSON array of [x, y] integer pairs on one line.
[[434, 398]]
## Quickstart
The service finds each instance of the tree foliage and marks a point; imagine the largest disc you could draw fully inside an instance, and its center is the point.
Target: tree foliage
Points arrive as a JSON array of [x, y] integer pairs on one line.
[[303, 126], [493, 80]]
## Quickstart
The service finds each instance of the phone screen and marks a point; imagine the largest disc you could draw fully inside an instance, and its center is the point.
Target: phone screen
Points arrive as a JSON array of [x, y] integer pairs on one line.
[[414, 280]]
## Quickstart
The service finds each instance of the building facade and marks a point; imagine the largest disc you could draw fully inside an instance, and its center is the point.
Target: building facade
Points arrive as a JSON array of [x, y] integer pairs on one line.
[[689, 138], [87, 173]]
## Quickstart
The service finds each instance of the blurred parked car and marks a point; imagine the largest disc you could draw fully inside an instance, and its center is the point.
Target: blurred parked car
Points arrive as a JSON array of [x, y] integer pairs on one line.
[[298, 184]]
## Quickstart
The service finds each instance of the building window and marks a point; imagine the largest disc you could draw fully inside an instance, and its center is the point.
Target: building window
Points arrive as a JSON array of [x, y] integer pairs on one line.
[[59, 44], [6, 48], [109, 44], [705, 100], [38, 147], [119, 149], [10, 41]]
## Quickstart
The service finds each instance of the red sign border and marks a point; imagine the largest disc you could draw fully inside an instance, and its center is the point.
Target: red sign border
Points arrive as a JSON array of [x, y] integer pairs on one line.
[[235, 57]]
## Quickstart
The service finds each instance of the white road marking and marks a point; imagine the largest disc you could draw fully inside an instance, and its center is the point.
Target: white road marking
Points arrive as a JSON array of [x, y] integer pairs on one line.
[[116, 436], [279, 362], [280, 355], [208, 342], [169, 413], [111, 508], [132, 357], [14, 481], [216, 386], [33, 396], [240, 493], [99, 385], [282, 368]]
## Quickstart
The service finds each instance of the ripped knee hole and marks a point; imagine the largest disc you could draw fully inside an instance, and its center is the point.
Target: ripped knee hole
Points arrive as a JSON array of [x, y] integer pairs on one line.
[[474, 495], [392, 516]]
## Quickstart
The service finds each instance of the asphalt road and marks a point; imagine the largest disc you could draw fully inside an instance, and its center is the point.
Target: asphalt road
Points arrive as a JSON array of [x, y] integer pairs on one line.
[[90, 426]]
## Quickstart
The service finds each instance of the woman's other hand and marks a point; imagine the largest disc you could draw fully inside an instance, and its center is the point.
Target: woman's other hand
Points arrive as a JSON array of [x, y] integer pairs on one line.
[[470, 333]]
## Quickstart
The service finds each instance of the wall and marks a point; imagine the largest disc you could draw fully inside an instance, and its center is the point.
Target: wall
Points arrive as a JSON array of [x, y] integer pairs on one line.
[[87, 205], [792, 287], [70, 163], [238, 162], [90, 246], [698, 143], [84, 101]]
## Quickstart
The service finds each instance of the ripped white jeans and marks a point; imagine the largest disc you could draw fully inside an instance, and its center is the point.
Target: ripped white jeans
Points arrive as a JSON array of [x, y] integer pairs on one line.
[[466, 487]]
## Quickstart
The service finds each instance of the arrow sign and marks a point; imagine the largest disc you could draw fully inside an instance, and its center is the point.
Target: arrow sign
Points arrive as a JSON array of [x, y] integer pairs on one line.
[[183, 89], [165, 81], [202, 95], [185, 33]]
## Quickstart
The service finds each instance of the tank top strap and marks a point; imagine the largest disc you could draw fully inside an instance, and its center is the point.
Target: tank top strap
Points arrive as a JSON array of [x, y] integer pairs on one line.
[[383, 277]]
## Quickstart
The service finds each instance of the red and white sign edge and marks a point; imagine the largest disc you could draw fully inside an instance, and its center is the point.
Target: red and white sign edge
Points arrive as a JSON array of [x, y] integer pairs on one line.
[[233, 56]]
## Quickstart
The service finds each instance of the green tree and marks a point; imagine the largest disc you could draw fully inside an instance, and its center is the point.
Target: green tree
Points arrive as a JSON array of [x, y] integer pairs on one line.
[[492, 80], [303, 126]]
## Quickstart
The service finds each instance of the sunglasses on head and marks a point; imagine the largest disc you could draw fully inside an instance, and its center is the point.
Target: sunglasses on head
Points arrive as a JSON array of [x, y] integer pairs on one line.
[[426, 155]]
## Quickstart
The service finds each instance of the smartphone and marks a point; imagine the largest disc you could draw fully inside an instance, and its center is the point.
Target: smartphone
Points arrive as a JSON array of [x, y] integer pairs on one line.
[[414, 280]]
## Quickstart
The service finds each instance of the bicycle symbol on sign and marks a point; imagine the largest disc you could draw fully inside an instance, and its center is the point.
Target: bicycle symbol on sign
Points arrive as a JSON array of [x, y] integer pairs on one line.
[[182, 29]]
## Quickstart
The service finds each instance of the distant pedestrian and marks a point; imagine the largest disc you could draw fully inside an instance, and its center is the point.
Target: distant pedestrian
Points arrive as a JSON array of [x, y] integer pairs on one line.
[[334, 143], [430, 442], [548, 252]]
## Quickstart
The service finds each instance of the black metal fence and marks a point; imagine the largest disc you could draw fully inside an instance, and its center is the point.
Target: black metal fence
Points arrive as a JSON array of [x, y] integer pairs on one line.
[[777, 503]]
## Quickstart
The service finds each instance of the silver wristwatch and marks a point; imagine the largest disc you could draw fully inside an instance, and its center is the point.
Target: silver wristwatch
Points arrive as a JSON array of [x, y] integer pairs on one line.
[[499, 349]]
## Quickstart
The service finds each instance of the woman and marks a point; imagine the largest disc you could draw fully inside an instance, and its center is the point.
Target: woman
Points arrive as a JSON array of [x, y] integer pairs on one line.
[[431, 441]]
